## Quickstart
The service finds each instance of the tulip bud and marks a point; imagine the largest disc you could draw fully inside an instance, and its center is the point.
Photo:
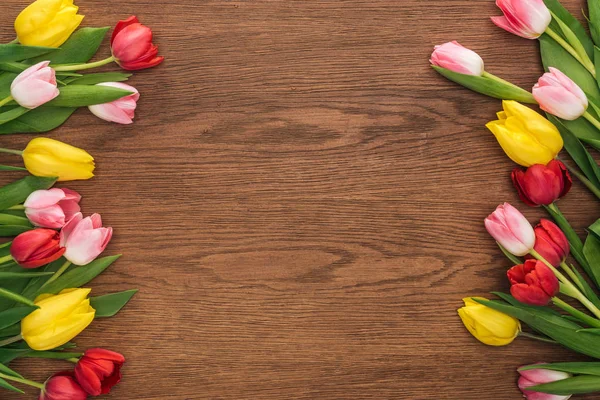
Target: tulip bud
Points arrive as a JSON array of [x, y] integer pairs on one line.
[[99, 370], [132, 46], [47, 23], [37, 247], [533, 283], [58, 319], [51, 158], [51, 208], [457, 58], [542, 184], [525, 18], [120, 111], [62, 386], [558, 95], [35, 86], [551, 243], [487, 325], [84, 238], [534, 377], [511, 229], [525, 136]]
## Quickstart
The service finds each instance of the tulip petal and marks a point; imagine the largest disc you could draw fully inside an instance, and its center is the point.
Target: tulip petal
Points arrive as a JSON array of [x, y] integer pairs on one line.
[[44, 198]]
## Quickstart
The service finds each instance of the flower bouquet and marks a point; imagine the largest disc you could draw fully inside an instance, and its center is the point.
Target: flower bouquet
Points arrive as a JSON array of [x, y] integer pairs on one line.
[[555, 276], [45, 301]]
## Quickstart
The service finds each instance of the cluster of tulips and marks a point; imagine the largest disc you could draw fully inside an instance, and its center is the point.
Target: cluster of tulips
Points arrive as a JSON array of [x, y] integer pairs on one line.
[[545, 285], [56, 250]]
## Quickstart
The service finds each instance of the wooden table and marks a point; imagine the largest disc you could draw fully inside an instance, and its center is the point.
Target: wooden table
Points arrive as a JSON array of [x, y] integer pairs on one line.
[[301, 200]]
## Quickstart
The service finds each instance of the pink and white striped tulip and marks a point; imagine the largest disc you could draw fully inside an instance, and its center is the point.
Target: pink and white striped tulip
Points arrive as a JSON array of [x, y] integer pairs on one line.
[[557, 94], [525, 18], [511, 229], [35, 86], [535, 377], [84, 238], [52, 208], [120, 111], [457, 58]]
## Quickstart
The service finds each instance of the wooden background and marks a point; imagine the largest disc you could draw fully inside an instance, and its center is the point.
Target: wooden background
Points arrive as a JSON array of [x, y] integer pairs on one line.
[[301, 202]]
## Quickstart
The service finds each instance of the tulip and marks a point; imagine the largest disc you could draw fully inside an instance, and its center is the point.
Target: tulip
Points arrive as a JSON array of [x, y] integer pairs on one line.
[[120, 111], [525, 18], [51, 208], [37, 247], [48, 157], [558, 95], [84, 238], [132, 46], [534, 377], [58, 319], [525, 136], [34, 86], [533, 283], [551, 243], [99, 370], [457, 58], [62, 386], [487, 325], [47, 23], [511, 230], [542, 184]]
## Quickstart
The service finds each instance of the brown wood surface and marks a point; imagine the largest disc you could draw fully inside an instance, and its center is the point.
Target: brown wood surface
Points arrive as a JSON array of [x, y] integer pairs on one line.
[[300, 202]]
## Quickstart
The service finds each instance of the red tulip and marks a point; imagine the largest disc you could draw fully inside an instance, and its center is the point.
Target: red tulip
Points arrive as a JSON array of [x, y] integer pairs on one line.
[[533, 283], [551, 242], [132, 46], [62, 386], [99, 370], [37, 247], [542, 185]]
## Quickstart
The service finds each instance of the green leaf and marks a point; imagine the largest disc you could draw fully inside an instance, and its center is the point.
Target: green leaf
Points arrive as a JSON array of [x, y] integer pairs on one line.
[[17, 192], [594, 20], [16, 297], [573, 24], [7, 371], [94, 79], [42, 119], [110, 304], [22, 275], [488, 86], [5, 81], [11, 331], [31, 290], [513, 259], [13, 230], [14, 315], [8, 354], [553, 55], [8, 219], [577, 368], [572, 39], [86, 95], [4, 384], [17, 52], [11, 168], [79, 276], [591, 250], [576, 385], [79, 48], [15, 67], [12, 114]]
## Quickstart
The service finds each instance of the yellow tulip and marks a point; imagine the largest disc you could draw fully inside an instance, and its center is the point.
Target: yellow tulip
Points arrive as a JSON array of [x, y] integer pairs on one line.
[[58, 319], [488, 325], [49, 157], [526, 136], [47, 23]]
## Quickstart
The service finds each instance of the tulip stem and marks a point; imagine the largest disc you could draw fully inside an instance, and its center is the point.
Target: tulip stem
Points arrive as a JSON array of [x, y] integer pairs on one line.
[[585, 180], [536, 337], [11, 340], [567, 286], [493, 77], [81, 67], [14, 41], [22, 380], [18, 207], [6, 100], [572, 275], [16, 297], [73, 360], [10, 151], [591, 321], [57, 274], [5, 259], [586, 63], [591, 119]]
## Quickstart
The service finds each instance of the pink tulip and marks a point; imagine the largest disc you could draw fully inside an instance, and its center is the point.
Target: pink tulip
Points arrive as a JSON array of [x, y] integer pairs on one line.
[[457, 58], [34, 86], [84, 238], [525, 18], [535, 377], [52, 208], [511, 229], [559, 95], [120, 111]]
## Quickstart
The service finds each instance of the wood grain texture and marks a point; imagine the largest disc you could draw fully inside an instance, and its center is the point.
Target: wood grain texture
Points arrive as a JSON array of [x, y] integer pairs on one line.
[[300, 201]]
